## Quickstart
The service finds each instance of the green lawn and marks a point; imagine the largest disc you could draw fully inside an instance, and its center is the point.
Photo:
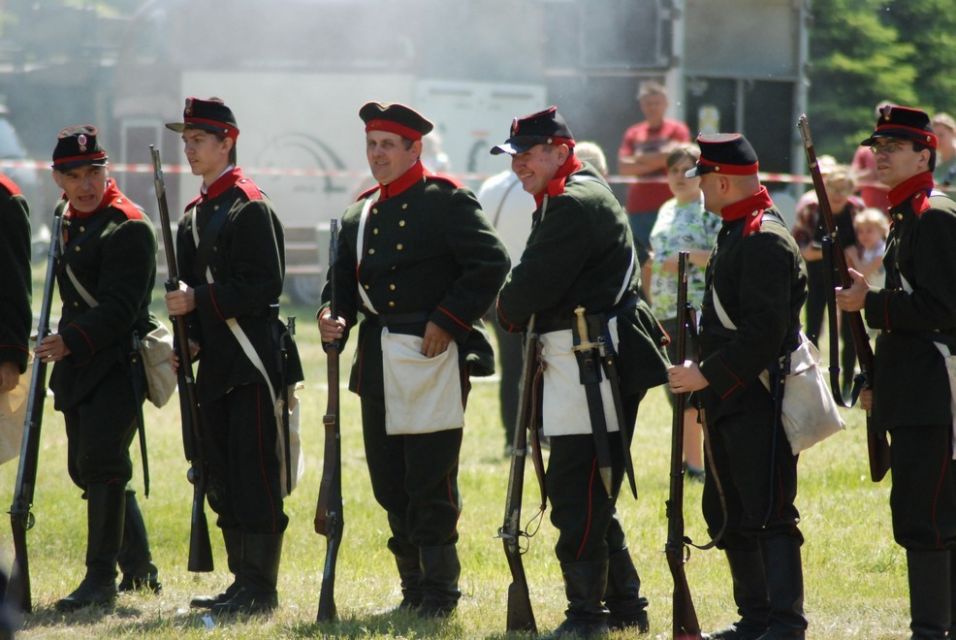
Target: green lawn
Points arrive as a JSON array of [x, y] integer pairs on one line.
[[854, 573]]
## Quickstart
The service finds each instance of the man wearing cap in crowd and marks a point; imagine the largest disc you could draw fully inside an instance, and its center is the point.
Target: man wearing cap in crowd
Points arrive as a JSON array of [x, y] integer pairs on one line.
[[945, 172], [418, 258], [580, 255], [105, 273], [913, 386], [756, 284], [231, 257]]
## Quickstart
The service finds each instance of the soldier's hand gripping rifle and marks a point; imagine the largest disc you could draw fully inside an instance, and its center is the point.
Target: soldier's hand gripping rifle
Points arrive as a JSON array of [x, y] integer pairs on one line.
[[329, 520], [686, 626], [21, 516], [878, 449], [520, 616], [200, 551]]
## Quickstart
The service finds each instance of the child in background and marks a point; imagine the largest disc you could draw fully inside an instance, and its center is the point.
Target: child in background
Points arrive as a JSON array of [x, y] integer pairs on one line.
[[871, 227]]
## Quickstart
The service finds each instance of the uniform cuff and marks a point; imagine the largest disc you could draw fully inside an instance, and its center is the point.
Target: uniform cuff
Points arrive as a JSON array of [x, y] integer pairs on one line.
[[447, 320], [721, 378], [79, 343], [876, 310]]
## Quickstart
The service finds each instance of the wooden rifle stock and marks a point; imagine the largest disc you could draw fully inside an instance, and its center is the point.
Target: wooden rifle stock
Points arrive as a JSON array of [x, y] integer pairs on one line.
[[200, 549], [878, 448], [329, 520], [520, 615], [685, 624], [21, 516]]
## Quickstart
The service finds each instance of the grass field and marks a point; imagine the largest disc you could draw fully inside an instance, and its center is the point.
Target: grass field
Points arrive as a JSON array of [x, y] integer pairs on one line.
[[854, 574]]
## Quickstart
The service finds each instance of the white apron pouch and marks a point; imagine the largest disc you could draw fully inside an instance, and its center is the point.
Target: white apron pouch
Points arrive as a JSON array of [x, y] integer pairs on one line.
[[950, 361], [565, 400], [13, 411], [422, 394]]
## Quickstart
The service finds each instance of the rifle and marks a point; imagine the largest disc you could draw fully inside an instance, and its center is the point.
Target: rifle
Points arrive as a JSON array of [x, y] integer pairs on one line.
[[200, 550], [685, 624], [878, 448], [520, 616], [329, 519], [21, 516]]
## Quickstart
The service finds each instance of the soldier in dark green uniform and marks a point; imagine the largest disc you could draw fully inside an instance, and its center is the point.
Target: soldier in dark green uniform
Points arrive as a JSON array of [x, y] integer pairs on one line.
[[756, 285], [231, 257], [420, 261], [580, 253], [914, 369], [15, 314], [105, 274]]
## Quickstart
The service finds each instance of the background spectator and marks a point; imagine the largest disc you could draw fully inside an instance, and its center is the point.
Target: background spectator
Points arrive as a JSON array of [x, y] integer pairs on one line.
[[945, 128]]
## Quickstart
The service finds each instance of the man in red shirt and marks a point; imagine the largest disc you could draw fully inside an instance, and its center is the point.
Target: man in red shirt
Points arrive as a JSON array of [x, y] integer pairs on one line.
[[643, 153]]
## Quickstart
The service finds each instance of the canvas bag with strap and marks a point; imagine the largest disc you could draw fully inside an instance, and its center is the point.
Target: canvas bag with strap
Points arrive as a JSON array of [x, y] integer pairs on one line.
[[294, 445], [422, 394], [810, 413]]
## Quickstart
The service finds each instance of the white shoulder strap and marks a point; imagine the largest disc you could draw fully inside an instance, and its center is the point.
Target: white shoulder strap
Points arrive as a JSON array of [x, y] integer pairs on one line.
[[359, 248], [80, 289], [722, 313]]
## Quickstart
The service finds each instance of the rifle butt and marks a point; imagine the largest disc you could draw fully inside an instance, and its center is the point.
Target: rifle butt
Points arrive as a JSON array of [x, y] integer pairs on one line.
[[685, 622], [520, 617], [18, 589], [200, 549], [327, 610], [878, 452]]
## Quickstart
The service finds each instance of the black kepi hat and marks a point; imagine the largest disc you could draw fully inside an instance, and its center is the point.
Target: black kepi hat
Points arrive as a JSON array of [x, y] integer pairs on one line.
[[77, 146], [724, 153], [543, 127], [907, 123], [395, 118], [210, 114]]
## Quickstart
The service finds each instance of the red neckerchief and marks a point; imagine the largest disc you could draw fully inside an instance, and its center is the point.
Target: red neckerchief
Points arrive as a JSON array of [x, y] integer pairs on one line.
[[915, 188], [112, 192], [414, 175], [556, 184], [222, 184], [757, 202]]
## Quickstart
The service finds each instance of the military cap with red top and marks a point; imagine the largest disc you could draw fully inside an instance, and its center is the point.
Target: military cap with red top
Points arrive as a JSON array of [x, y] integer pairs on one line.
[[210, 114], [907, 123], [724, 153], [543, 127], [77, 146], [395, 118]]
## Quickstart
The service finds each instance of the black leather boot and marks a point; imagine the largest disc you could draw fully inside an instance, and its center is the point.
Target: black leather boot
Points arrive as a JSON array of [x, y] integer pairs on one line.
[[622, 596], [408, 561], [750, 595], [584, 584], [233, 543], [785, 588], [439, 583], [258, 574], [135, 559], [105, 506], [929, 579]]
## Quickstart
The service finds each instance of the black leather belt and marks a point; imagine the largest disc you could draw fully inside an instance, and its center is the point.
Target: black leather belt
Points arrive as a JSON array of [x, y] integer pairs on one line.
[[547, 324]]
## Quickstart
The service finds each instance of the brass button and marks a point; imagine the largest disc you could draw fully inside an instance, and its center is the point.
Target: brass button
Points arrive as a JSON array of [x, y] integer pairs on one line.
[[399, 246], [401, 223], [374, 209], [391, 287], [216, 208], [391, 303], [82, 229], [375, 231], [76, 304], [404, 206], [371, 252], [392, 268], [77, 249], [365, 286]]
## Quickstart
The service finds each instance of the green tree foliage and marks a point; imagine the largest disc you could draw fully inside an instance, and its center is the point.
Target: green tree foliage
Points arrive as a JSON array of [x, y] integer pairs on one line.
[[857, 59], [931, 26]]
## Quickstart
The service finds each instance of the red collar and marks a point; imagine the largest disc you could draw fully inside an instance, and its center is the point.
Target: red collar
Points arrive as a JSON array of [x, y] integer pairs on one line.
[[112, 192], [415, 174], [556, 184], [919, 185], [757, 202], [222, 184]]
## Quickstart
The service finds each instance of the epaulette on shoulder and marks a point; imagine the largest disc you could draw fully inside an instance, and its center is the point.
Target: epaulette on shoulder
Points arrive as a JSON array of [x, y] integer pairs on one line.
[[8, 185], [249, 188], [127, 207], [368, 192], [441, 177]]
